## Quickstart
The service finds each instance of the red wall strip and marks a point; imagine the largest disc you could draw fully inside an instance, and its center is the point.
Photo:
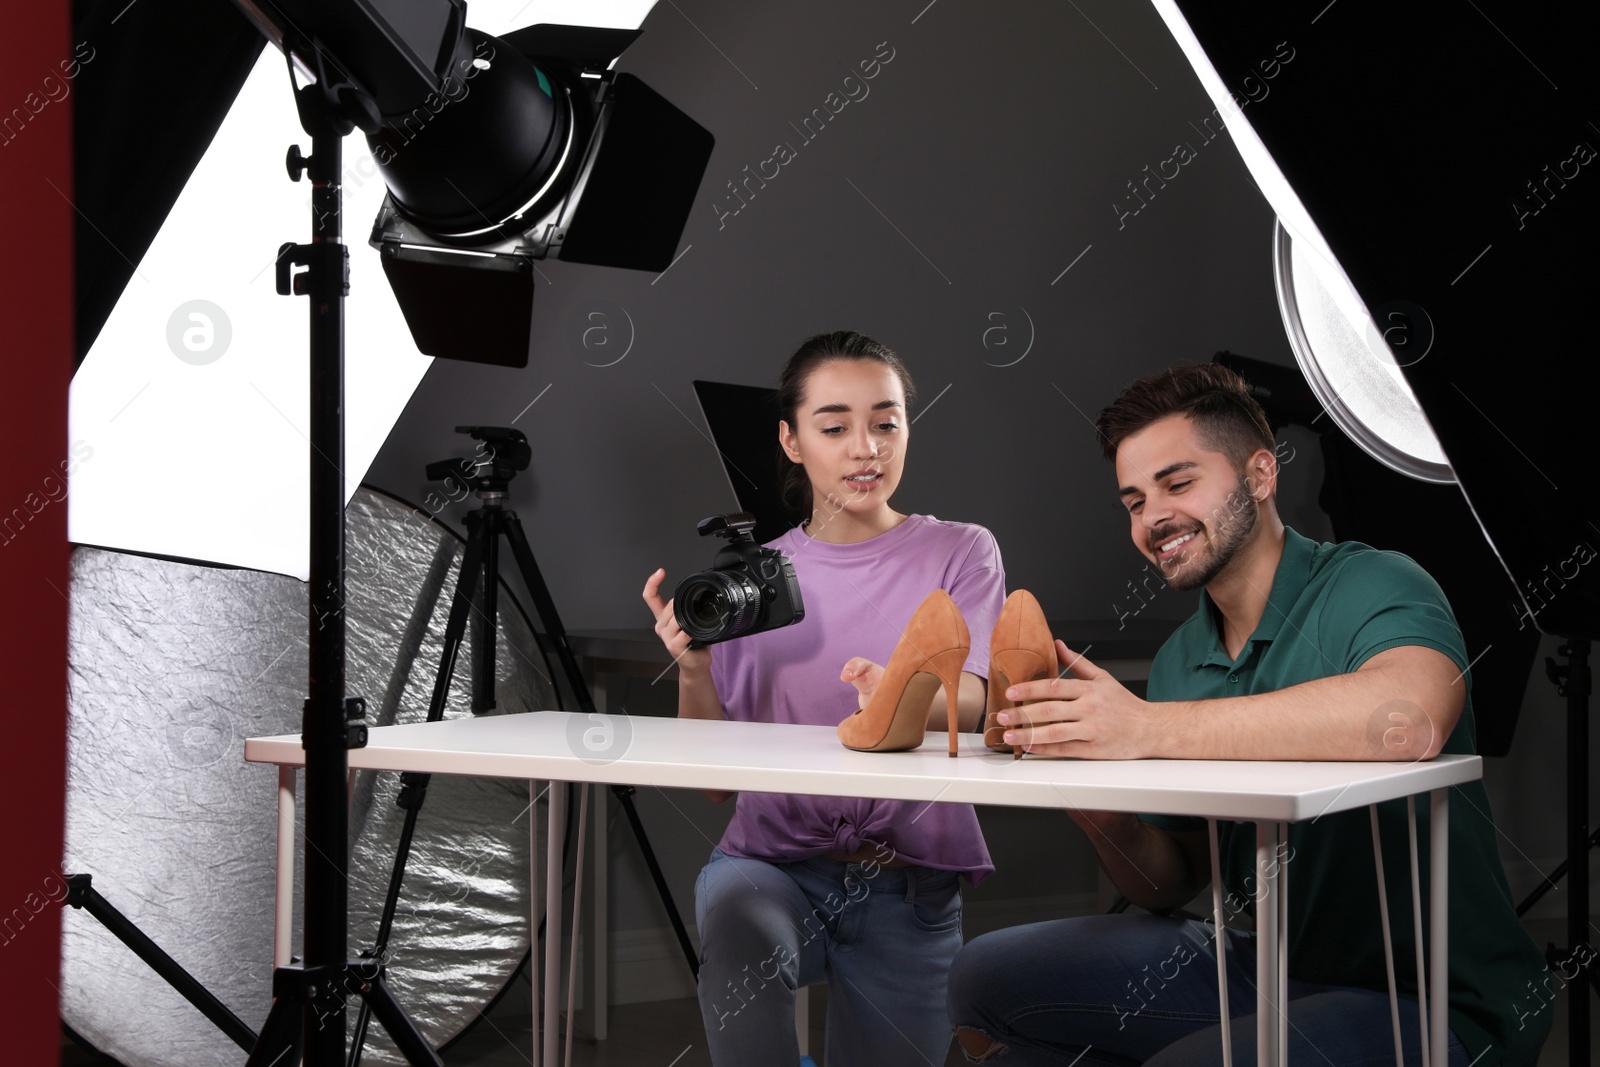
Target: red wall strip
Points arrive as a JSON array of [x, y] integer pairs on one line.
[[36, 314]]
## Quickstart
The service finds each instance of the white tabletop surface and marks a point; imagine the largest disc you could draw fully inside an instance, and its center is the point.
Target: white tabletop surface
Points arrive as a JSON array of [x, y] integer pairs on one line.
[[774, 758]]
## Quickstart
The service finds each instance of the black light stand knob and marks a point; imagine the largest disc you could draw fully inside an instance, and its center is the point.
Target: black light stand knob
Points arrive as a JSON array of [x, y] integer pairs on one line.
[[296, 163]]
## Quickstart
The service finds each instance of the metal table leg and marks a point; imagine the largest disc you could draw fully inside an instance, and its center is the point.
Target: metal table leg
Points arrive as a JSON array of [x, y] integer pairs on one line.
[[1267, 977], [283, 901], [552, 921], [1439, 887]]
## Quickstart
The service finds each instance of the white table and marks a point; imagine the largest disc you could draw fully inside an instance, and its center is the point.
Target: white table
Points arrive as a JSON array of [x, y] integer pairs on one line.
[[558, 746], [612, 657]]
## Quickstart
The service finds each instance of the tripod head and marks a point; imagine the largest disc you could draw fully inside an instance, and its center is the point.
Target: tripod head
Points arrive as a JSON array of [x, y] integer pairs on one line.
[[502, 454]]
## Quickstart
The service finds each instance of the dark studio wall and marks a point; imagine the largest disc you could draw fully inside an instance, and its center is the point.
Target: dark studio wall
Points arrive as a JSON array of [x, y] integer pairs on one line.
[[939, 210]]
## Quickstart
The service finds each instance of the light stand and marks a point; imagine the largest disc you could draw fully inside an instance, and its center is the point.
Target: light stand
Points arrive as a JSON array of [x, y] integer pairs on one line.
[[584, 164], [308, 999], [1573, 681]]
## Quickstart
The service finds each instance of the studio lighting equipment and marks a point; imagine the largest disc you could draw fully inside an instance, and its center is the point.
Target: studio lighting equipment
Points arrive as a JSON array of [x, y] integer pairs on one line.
[[538, 149], [1435, 302], [1350, 366], [498, 152], [181, 333], [175, 664], [462, 124]]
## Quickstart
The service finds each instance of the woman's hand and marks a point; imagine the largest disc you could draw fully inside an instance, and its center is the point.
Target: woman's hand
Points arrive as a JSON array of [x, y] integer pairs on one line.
[[864, 675], [692, 661]]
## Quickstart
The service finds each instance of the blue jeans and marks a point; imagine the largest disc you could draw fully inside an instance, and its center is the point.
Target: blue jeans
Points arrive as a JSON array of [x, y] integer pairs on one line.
[[881, 937], [1115, 990]]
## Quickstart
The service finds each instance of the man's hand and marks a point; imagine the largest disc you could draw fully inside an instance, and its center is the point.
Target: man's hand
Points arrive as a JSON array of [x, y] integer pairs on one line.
[[1090, 715], [1400, 705]]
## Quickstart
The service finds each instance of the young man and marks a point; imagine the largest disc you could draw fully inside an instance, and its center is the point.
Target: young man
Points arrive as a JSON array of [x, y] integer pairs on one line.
[[1299, 651]]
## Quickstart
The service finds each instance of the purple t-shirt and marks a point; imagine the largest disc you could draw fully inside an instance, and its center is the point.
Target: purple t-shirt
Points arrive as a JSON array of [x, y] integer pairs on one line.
[[858, 598]]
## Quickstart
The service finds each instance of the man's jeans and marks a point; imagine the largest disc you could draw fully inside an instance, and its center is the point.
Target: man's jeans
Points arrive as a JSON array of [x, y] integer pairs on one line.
[[1116, 990]]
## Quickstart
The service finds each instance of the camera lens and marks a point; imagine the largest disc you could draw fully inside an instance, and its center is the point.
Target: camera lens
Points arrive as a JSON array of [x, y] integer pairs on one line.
[[716, 605]]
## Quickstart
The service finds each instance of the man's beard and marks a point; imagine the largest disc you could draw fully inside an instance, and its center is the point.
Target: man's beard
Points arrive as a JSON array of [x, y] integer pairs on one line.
[[1232, 532]]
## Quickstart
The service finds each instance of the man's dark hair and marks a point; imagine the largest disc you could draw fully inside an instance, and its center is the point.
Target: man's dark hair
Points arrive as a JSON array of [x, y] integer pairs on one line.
[[1226, 417]]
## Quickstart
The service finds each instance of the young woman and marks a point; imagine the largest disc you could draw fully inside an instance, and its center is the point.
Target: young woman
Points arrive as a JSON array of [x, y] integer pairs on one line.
[[861, 893]]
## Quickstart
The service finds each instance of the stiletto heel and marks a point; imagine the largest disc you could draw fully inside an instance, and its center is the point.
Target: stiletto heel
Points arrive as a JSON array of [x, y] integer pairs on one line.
[[931, 652], [1021, 650], [952, 696]]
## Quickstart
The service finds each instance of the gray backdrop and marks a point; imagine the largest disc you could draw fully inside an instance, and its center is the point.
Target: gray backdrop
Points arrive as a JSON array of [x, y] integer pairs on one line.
[[936, 211]]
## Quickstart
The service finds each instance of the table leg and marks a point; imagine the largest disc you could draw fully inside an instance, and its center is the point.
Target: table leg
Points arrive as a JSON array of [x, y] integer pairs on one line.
[[597, 931], [599, 917], [1424, 1032], [1267, 998], [577, 909], [1222, 946], [552, 921], [283, 901], [1388, 938], [533, 919], [1282, 990], [1439, 885]]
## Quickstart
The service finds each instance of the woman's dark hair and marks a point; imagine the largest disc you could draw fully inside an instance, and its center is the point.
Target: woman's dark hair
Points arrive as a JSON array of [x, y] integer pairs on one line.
[[824, 348], [1226, 417]]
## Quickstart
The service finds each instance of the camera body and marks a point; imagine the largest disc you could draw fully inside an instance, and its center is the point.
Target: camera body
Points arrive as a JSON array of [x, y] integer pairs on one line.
[[747, 590]]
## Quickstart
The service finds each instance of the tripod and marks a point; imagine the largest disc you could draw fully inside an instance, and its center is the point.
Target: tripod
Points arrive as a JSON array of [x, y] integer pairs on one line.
[[1574, 681], [82, 894], [476, 598]]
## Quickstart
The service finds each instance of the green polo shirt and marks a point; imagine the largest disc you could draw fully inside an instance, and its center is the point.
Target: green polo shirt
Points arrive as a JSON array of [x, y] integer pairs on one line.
[[1332, 608]]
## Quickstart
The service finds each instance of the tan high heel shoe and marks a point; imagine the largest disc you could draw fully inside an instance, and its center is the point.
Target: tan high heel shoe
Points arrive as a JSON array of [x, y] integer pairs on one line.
[[1021, 650], [931, 653]]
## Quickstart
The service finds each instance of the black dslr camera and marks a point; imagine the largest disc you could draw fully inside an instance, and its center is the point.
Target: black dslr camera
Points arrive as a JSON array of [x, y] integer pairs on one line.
[[748, 589]]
